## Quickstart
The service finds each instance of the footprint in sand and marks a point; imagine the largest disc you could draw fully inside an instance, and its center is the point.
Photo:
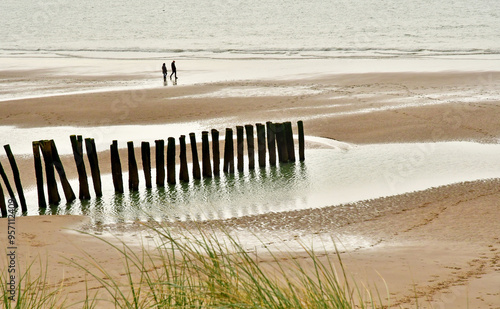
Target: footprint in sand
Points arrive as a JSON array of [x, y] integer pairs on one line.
[[31, 239]]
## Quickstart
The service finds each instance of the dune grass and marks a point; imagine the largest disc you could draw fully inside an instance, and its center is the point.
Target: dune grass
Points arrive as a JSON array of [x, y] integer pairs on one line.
[[32, 289], [204, 268]]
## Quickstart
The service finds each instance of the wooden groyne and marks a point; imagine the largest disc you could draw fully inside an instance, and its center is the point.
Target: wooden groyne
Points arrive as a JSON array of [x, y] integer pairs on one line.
[[271, 138]]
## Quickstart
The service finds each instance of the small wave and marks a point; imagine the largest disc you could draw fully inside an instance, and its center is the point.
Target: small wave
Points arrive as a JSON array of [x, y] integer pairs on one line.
[[231, 53]]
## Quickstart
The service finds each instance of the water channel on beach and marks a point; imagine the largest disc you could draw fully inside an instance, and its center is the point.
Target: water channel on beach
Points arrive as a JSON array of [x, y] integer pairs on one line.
[[329, 176]]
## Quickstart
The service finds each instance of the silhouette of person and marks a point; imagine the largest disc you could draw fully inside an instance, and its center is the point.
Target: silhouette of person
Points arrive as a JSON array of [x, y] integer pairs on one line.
[[164, 69], [174, 70]]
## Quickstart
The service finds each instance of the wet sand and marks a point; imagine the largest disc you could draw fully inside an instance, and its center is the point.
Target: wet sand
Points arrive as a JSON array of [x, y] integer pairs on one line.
[[440, 244]]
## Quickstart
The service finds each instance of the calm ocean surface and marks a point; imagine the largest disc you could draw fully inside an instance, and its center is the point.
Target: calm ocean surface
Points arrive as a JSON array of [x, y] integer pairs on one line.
[[249, 29]]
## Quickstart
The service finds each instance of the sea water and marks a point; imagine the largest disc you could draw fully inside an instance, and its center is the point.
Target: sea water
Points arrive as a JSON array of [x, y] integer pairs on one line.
[[224, 40], [250, 29]]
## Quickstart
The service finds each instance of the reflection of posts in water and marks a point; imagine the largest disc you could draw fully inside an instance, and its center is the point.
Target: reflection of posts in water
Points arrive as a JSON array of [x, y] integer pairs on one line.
[[281, 142], [53, 193], [261, 144], [289, 141], [195, 159], [42, 203], [300, 125], [216, 151], [183, 173], [94, 165], [171, 160], [250, 146], [229, 152], [77, 145], [160, 162], [116, 167], [68, 191], [17, 178], [146, 163], [205, 150], [239, 147], [271, 142], [133, 174]]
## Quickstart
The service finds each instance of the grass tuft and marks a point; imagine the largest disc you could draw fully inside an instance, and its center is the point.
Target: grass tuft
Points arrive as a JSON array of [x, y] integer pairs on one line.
[[200, 267]]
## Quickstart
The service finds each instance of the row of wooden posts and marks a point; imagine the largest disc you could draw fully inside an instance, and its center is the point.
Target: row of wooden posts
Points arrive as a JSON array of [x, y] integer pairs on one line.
[[279, 137]]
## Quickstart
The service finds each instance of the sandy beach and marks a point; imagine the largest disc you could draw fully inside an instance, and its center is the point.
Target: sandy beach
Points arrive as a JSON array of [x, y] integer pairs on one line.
[[441, 245]]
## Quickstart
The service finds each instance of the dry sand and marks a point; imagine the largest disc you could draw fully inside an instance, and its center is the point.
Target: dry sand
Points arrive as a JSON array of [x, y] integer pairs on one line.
[[441, 244]]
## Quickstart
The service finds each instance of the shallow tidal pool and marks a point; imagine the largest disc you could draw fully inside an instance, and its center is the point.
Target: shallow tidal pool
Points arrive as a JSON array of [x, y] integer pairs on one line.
[[328, 177]]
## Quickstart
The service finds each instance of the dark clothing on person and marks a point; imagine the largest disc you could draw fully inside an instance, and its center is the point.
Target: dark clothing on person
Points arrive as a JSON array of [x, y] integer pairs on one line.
[[174, 70], [164, 70]]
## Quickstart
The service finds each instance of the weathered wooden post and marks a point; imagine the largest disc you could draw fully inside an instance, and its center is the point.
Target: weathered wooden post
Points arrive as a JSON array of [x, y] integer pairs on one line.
[[271, 142], [68, 191], [216, 152], [229, 152], [250, 146], [205, 150], [183, 173], [281, 142], [261, 144], [42, 203], [171, 160], [17, 178], [133, 173], [289, 141], [239, 147], [195, 159], [94, 165], [77, 145], [53, 193], [160, 162], [300, 125], [146, 163], [7, 184], [116, 167], [3, 206]]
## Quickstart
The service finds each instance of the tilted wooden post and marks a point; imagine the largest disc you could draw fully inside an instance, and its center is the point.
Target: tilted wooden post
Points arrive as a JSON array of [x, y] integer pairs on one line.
[[171, 160], [229, 152], [183, 173], [133, 173], [94, 165], [160, 162], [216, 152], [77, 145], [116, 167], [239, 147], [205, 152], [68, 191], [300, 125], [289, 141], [17, 178], [196, 162], [3, 206], [250, 146], [271, 142], [146, 163], [261, 144], [53, 193], [8, 186], [42, 203]]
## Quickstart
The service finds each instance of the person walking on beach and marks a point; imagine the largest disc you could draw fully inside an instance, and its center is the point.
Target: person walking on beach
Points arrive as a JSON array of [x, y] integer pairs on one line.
[[164, 69], [174, 70]]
